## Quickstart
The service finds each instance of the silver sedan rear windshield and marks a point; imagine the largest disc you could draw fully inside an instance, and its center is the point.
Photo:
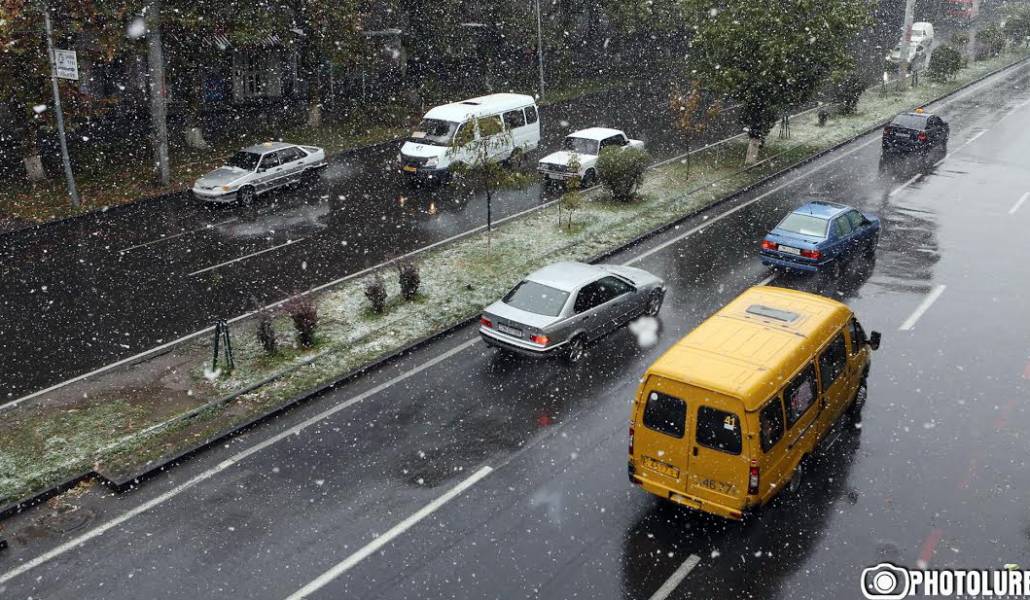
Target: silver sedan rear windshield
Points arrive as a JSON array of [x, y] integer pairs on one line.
[[804, 225], [537, 298]]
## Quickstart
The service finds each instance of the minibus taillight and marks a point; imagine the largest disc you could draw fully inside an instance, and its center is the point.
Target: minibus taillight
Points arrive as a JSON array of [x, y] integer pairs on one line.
[[752, 480], [631, 440]]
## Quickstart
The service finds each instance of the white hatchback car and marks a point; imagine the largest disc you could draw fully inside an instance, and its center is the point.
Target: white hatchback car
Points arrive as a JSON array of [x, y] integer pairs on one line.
[[258, 169], [585, 146]]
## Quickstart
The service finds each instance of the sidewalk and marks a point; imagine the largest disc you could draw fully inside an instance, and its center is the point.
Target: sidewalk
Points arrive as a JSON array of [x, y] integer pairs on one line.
[[134, 418]]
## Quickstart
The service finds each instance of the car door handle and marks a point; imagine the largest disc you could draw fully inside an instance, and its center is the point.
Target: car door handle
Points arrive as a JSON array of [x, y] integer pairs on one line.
[[695, 450]]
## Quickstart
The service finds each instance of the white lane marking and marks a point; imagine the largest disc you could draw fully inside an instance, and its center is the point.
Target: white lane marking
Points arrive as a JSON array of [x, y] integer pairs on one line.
[[974, 138], [677, 576], [768, 280], [177, 235], [744, 205], [251, 255], [1019, 203], [373, 546], [225, 464], [910, 181], [924, 306]]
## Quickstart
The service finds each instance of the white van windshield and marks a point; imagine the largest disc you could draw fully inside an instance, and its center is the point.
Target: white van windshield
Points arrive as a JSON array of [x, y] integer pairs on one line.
[[435, 132]]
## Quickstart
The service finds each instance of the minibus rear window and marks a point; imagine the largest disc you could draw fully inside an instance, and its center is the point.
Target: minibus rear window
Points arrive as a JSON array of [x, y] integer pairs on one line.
[[718, 430], [665, 414]]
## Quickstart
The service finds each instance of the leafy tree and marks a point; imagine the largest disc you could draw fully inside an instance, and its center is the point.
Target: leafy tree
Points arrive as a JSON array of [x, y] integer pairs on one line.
[[769, 56], [572, 200], [621, 170], [847, 89], [990, 41], [1017, 25], [945, 62], [691, 116]]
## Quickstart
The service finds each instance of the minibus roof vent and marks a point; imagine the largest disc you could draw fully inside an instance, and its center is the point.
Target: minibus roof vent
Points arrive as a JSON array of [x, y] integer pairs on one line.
[[760, 310]]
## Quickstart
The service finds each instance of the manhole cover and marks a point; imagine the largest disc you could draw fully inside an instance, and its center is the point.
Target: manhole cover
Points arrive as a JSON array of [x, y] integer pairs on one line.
[[64, 522]]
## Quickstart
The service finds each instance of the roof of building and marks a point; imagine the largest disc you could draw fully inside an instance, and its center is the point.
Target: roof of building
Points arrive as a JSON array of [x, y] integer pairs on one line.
[[764, 330]]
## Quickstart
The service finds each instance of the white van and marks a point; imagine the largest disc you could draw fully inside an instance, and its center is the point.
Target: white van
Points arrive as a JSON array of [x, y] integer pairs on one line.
[[922, 34], [431, 149]]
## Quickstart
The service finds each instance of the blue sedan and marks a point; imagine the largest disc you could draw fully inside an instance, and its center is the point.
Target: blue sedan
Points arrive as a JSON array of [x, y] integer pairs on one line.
[[820, 235]]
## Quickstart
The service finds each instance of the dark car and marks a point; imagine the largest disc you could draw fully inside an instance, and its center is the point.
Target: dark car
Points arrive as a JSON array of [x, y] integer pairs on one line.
[[820, 235], [917, 131]]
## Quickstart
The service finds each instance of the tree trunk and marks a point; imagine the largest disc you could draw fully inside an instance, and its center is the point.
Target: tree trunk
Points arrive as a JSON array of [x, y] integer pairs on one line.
[[752, 151], [314, 94], [158, 101], [33, 160]]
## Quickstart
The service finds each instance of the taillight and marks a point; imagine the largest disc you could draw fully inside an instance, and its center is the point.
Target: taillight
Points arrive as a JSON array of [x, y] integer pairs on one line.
[[539, 339], [752, 479], [767, 245], [813, 254], [922, 136], [631, 440], [486, 322]]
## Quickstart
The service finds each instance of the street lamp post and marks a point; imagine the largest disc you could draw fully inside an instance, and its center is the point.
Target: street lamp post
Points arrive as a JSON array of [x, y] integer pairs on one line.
[[540, 48]]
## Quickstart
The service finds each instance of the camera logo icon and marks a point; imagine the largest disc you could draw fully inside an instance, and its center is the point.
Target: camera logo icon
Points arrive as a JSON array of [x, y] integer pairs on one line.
[[885, 582]]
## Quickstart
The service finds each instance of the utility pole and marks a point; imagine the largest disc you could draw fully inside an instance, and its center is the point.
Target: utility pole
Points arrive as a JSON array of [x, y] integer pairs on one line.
[[906, 39], [72, 191], [540, 48], [158, 101]]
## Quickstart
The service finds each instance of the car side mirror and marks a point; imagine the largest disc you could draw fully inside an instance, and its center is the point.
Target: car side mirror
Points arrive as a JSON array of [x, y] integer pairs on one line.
[[874, 340]]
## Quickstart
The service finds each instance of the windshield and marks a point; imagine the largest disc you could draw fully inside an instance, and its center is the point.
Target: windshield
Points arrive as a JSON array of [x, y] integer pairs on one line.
[[436, 132], [537, 298], [803, 224], [580, 145], [909, 122], [244, 160]]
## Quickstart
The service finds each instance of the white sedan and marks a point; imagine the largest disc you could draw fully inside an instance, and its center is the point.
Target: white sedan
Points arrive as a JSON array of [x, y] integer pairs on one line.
[[258, 169], [584, 146]]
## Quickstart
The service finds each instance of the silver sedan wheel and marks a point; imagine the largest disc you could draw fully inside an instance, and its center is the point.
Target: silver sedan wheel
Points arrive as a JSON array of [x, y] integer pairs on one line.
[[575, 350], [654, 303], [245, 196]]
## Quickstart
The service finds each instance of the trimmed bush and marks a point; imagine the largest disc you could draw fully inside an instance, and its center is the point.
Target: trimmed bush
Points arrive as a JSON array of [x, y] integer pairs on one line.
[[266, 333], [990, 41], [409, 279], [621, 171], [846, 92], [304, 313], [375, 291], [945, 62]]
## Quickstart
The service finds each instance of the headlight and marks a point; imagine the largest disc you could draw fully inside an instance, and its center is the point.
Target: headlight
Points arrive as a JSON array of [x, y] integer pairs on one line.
[[229, 188], [431, 162]]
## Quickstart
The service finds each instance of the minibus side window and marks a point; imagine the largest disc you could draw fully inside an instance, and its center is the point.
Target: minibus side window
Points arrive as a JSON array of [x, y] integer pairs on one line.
[[530, 114], [718, 430], [665, 414], [832, 361], [800, 394], [857, 336], [770, 421], [514, 119]]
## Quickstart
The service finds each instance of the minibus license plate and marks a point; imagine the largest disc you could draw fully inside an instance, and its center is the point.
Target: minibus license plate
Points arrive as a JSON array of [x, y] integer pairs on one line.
[[409, 168], [660, 467], [509, 330], [790, 250]]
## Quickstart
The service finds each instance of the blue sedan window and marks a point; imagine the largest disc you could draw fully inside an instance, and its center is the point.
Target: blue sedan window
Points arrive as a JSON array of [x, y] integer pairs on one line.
[[803, 224]]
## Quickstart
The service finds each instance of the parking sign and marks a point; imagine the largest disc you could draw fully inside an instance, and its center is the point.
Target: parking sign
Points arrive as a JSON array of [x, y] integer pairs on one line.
[[66, 64]]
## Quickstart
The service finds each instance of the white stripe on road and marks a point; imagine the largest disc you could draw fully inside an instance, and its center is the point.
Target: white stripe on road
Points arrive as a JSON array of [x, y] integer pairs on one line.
[[1019, 203], [974, 138], [920, 310], [177, 235], [373, 546], [225, 464], [677, 576], [905, 185], [252, 255], [769, 279], [743, 205]]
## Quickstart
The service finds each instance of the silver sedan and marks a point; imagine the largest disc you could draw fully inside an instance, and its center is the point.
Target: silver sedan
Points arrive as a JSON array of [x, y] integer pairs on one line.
[[564, 306]]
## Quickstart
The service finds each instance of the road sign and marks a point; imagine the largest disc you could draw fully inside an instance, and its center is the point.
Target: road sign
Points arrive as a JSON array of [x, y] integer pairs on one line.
[[67, 64]]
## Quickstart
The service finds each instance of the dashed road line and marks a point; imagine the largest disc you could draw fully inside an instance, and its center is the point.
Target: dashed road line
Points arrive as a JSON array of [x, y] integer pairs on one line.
[[1019, 203], [676, 578], [241, 258], [178, 235], [924, 306]]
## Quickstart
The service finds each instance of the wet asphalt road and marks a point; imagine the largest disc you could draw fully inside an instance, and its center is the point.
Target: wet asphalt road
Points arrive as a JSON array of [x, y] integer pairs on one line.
[[937, 471], [80, 295]]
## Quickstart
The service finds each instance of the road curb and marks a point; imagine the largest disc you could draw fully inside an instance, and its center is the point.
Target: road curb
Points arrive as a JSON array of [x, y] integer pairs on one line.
[[121, 483]]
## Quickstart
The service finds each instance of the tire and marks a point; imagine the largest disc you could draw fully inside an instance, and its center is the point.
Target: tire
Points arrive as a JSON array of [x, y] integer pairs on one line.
[[654, 303], [855, 410], [245, 196], [588, 179], [834, 269], [870, 251], [309, 177], [797, 478], [575, 350]]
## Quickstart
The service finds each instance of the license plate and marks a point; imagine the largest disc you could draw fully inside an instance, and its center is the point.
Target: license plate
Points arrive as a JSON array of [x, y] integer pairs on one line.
[[409, 168], [901, 135], [790, 250], [554, 176], [660, 467], [509, 330]]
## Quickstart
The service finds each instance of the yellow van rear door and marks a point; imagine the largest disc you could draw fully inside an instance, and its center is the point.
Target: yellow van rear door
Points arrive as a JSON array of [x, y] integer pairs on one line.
[[718, 458], [660, 438]]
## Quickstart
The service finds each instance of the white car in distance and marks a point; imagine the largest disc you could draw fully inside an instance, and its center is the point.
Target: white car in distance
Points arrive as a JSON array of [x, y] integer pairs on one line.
[[257, 169], [583, 146]]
